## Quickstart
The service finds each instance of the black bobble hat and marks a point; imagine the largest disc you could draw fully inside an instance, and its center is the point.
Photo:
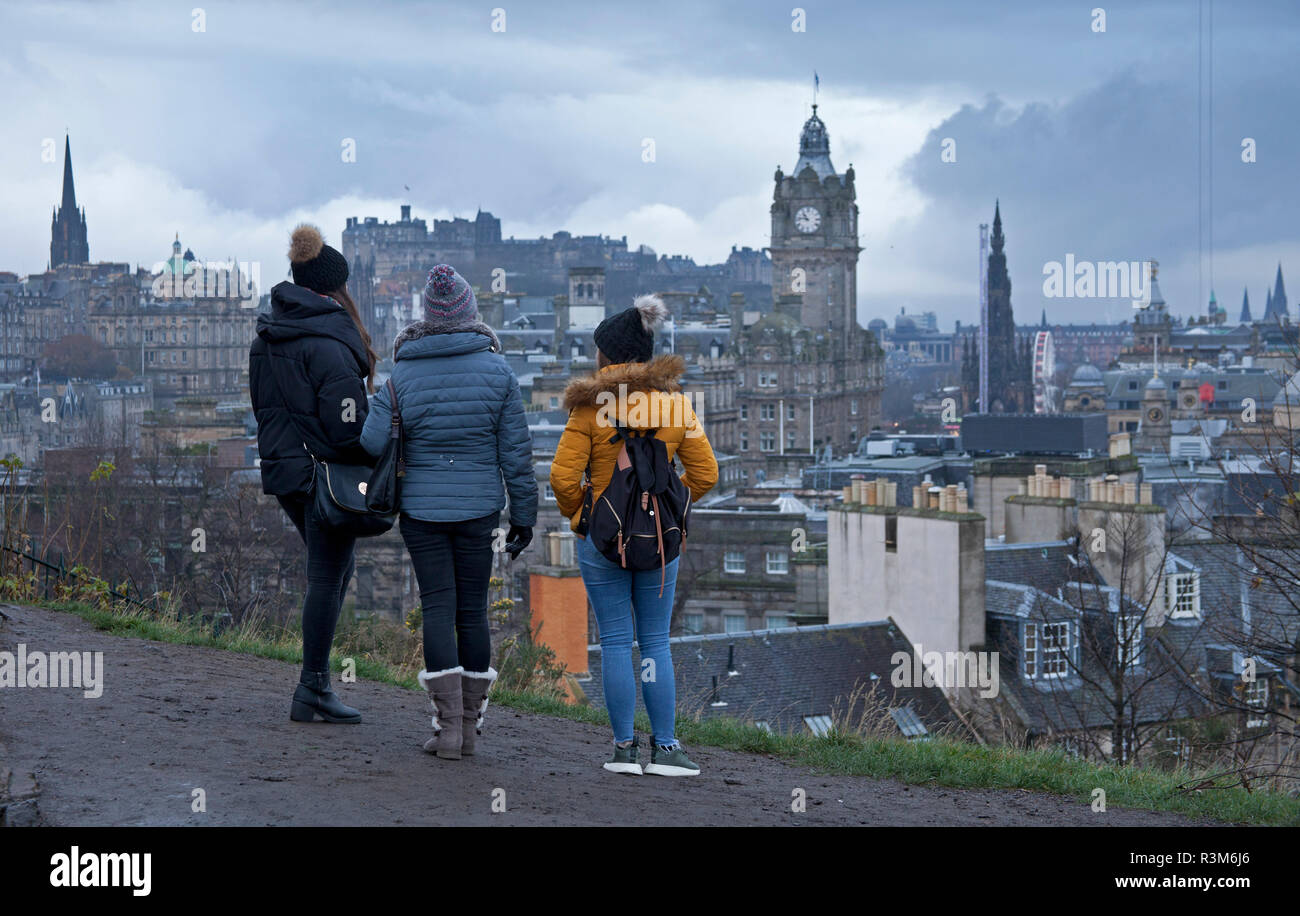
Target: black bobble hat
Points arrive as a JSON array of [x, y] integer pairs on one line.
[[628, 337], [315, 265]]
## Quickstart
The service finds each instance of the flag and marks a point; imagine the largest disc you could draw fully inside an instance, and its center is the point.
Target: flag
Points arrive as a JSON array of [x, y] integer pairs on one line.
[[816, 81]]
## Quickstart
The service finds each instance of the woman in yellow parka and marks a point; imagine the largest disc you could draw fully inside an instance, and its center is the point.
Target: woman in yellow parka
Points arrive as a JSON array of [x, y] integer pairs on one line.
[[637, 390]]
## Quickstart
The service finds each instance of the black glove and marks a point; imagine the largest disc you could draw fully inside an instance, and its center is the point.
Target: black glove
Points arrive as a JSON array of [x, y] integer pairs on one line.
[[518, 538]]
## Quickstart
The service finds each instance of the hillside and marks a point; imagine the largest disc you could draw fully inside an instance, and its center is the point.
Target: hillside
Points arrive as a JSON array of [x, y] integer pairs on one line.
[[175, 718]]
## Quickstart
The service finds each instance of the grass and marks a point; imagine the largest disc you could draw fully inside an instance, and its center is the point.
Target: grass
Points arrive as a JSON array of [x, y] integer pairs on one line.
[[937, 761]]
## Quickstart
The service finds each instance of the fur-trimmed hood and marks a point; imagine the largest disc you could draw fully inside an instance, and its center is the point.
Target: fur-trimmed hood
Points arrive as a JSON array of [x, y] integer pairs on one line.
[[663, 373], [419, 329]]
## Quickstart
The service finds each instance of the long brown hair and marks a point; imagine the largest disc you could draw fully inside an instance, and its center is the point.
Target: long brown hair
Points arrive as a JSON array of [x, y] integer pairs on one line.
[[343, 298]]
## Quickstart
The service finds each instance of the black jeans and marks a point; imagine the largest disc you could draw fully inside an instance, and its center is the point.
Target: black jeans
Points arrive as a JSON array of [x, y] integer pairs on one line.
[[453, 563], [330, 564]]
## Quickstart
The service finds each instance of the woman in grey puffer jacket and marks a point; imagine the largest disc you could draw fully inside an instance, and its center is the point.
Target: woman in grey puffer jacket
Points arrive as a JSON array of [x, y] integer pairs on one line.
[[467, 446]]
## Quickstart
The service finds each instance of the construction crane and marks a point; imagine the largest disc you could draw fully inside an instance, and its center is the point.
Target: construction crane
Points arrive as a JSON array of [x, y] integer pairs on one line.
[[984, 318]]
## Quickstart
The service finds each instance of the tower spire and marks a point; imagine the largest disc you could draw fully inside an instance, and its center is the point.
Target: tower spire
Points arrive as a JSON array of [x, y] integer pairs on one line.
[[69, 202], [68, 230]]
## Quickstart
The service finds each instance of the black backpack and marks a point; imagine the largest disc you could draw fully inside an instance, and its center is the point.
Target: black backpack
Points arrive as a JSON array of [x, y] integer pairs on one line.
[[640, 519]]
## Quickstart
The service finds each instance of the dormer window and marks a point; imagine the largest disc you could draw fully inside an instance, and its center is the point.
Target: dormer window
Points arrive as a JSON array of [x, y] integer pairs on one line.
[[1183, 595], [1046, 649]]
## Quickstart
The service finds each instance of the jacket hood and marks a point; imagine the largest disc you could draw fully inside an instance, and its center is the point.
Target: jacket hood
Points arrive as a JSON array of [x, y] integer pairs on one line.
[[663, 373], [433, 345], [298, 312], [440, 337]]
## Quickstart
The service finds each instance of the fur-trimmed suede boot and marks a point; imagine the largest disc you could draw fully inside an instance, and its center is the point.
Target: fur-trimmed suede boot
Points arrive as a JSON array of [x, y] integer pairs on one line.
[[448, 711], [313, 697], [474, 687]]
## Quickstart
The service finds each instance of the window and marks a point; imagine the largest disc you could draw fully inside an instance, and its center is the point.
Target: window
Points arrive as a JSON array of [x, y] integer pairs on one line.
[[776, 621], [767, 411], [767, 442], [1128, 641], [693, 623], [1178, 746], [733, 561], [744, 442], [1256, 693], [744, 411], [908, 722], [1056, 649], [767, 379], [734, 623], [547, 493], [853, 407], [820, 726], [778, 563], [790, 440], [1029, 650], [891, 533], [555, 402], [1183, 595], [790, 412]]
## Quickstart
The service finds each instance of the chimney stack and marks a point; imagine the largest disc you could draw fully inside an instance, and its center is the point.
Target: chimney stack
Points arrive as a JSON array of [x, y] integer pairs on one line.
[[558, 612]]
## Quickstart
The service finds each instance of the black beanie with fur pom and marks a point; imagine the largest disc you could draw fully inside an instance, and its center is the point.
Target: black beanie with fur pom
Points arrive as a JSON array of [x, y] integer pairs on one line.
[[628, 337], [315, 265]]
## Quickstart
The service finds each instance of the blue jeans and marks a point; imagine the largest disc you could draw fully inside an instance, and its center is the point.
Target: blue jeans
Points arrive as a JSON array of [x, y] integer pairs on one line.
[[621, 597]]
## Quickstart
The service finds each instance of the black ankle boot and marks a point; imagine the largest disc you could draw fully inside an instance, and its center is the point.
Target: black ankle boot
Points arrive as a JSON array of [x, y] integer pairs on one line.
[[313, 697]]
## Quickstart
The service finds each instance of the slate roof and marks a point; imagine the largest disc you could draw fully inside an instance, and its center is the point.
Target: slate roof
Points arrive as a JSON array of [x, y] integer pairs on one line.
[[1173, 655], [1161, 691], [1045, 566], [786, 674]]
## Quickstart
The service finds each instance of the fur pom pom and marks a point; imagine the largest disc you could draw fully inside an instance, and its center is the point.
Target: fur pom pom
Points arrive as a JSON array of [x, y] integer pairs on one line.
[[653, 312], [305, 244]]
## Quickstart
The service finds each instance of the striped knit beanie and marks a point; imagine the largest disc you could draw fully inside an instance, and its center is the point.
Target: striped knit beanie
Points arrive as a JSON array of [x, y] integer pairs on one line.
[[448, 299]]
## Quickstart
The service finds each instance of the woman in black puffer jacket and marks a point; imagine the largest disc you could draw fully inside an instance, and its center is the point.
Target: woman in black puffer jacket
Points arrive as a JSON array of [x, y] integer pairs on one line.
[[308, 374]]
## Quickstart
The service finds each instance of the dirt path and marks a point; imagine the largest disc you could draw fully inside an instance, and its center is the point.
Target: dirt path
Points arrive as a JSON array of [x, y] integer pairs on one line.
[[175, 718]]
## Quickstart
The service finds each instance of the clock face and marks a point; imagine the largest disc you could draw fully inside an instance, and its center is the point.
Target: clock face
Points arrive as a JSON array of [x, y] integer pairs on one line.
[[1155, 414], [807, 219]]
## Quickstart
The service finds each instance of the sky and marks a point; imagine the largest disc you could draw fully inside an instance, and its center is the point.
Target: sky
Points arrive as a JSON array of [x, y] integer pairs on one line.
[[226, 123]]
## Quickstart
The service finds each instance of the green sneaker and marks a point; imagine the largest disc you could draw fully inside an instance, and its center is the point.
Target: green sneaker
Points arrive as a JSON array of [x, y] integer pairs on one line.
[[626, 759], [670, 761]]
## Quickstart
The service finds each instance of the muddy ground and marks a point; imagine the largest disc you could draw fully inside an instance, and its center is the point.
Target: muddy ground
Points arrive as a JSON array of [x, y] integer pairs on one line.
[[175, 718]]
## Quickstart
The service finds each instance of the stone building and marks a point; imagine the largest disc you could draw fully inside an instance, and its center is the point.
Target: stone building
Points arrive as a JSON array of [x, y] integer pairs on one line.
[[810, 377], [189, 337]]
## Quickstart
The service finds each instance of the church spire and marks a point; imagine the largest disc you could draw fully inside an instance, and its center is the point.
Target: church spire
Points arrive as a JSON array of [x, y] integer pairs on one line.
[[69, 192], [68, 229], [1245, 306], [1279, 292], [998, 240]]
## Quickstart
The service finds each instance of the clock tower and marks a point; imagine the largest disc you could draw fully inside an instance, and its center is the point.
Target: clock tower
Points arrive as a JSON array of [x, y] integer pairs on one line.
[[810, 378], [815, 238]]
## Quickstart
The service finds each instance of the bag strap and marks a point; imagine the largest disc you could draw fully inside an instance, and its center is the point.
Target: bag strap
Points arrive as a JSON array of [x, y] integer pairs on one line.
[[395, 430]]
